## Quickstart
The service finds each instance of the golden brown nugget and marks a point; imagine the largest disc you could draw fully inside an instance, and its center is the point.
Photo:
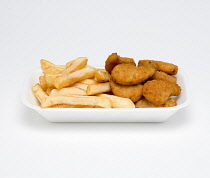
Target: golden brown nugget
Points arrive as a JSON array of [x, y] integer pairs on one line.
[[114, 59], [133, 92], [92, 101], [158, 91], [128, 74], [143, 103], [158, 75], [126, 60], [166, 67]]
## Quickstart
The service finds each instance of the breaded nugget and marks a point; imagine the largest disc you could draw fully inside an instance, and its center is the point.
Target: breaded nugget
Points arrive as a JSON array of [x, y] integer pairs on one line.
[[126, 60], [114, 59], [159, 75], [170, 103], [143, 103], [158, 91], [168, 68], [133, 92], [128, 74]]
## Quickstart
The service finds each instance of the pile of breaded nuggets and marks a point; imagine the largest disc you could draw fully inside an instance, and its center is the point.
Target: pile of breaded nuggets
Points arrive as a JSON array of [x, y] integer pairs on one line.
[[121, 84]]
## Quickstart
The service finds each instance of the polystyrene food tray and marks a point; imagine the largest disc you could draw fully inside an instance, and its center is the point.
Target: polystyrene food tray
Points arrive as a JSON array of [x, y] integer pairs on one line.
[[104, 114]]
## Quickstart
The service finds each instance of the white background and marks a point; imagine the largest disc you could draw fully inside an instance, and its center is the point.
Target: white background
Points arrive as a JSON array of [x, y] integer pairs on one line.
[[175, 31]]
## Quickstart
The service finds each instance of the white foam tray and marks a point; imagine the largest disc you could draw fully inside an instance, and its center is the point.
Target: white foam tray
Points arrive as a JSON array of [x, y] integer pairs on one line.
[[102, 114]]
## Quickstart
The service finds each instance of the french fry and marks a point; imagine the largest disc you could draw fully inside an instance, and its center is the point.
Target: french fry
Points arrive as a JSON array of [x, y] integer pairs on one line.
[[70, 106], [102, 70], [56, 69], [88, 81], [80, 85], [88, 66], [48, 91], [75, 65], [45, 64], [43, 83], [98, 88], [119, 102], [102, 76], [92, 101], [67, 80], [39, 92], [69, 63], [50, 79], [68, 91]]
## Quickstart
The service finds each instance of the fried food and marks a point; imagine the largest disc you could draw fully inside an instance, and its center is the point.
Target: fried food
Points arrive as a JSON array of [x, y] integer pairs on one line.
[[88, 81], [48, 91], [119, 102], [71, 106], [133, 92], [166, 67], [158, 75], [50, 68], [114, 59], [158, 91], [92, 101], [68, 91], [45, 64], [98, 88], [50, 79], [67, 80], [143, 103], [80, 85], [77, 64], [56, 69], [39, 92], [43, 83], [128, 74], [102, 76]]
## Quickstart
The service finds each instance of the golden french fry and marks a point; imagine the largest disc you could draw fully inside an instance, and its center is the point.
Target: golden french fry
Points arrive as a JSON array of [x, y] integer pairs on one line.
[[43, 83], [56, 69], [98, 88], [75, 65], [102, 70], [88, 66], [119, 102], [48, 91], [88, 81], [67, 80], [69, 63], [39, 92], [68, 91], [80, 85], [92, 101], [45, 64], [102, 76], [70, 106], [50, 79]]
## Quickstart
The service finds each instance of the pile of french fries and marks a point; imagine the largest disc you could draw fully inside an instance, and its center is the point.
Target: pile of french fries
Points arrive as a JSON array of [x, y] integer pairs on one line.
[[76, 85]]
